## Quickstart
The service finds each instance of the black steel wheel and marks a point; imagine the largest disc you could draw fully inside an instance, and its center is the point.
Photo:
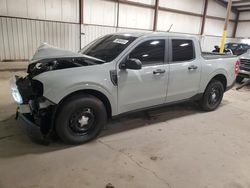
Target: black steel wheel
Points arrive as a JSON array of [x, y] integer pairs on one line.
[[80, 119], [212, 96]]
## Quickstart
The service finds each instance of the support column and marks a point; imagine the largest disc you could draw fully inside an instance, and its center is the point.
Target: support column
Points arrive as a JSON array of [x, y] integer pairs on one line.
[[224, 35], [80, 21], [117, 16], [204, 17], [156, 15], [236, 24], [81, 11]]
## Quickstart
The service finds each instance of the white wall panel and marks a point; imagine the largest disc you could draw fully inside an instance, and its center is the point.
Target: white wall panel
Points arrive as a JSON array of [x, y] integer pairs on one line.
[[136, 17], [246, 41], [244, 16], [3, 7], [215, 9], [181, 23], [33, 10], [89, 33], [215, 27], [19, 38], [243, 29], [70, 10], [100, 12], [53, 9], [56, 10], [17, 8], [195, 6]]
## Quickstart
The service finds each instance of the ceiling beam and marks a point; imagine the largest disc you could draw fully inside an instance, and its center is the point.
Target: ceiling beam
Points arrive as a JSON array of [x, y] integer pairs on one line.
[[241, 6], [242, 1], [224, 4], [244, 20], [245, 10]]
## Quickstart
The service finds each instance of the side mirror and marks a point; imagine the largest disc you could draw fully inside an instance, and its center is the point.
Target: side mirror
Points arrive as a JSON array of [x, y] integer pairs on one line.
[[132, 63]]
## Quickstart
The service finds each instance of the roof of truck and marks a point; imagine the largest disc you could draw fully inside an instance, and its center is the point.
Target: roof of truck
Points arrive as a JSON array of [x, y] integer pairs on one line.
[[150, 34]]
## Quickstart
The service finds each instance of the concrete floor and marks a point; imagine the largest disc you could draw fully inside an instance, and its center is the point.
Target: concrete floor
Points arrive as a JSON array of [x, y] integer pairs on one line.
[[177, 146]]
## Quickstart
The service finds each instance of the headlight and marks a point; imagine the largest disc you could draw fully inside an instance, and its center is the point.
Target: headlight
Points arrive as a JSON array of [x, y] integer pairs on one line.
[[14, 91]]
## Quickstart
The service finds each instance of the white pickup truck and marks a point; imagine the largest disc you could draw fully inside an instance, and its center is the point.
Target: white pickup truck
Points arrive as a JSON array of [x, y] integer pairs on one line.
[[74, 94]]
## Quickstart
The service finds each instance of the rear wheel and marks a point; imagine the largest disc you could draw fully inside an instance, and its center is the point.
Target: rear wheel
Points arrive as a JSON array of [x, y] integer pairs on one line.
[[239, 79], [80, 119], [212, 96]]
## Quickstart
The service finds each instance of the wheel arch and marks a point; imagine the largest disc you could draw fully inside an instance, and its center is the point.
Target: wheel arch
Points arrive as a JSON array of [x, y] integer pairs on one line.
[[92, 92], [222, 78]]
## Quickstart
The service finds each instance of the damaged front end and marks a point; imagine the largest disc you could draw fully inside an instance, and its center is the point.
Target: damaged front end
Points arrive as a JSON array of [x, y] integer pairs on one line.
[[35, 110]]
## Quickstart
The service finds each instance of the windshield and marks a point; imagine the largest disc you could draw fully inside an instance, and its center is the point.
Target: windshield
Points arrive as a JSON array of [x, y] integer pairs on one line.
[[108, 47]]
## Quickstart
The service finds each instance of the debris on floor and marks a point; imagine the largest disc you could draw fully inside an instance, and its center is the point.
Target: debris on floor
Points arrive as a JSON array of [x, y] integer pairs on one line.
[[153, 158], [244, 84], [109, 185]]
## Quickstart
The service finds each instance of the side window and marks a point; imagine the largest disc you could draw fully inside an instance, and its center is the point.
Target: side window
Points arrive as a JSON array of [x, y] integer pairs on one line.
[[149, 52], [182, 50]]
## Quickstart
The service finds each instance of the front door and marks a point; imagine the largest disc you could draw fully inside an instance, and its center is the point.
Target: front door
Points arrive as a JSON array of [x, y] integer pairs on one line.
[[147, 86]]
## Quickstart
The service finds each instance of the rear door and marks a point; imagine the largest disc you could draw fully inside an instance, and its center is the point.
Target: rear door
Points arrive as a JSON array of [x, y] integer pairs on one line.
[[184, 70]]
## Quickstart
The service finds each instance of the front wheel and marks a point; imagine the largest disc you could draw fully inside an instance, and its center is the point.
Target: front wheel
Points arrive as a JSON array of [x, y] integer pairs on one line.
[[212, 96], [80, 119]]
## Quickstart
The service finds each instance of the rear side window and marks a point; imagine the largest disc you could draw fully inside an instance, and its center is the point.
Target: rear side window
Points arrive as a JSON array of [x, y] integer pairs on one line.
[[149, 52], [182, 50]]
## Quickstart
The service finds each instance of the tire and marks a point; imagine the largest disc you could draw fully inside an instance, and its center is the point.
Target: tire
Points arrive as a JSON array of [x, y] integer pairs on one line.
[[212, 96], [239, 79], [80, 119]]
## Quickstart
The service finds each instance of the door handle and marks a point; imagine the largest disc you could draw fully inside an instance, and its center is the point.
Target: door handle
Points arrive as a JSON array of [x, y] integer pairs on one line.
[[159, 71], [192, 67]]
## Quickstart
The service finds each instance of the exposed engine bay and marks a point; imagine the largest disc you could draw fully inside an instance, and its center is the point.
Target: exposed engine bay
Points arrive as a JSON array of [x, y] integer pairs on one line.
[[58, 63], [48, 58]]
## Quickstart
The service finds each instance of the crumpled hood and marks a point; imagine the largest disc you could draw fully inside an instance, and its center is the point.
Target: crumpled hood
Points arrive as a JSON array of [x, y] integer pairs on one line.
[[46, 51], [50, 58]]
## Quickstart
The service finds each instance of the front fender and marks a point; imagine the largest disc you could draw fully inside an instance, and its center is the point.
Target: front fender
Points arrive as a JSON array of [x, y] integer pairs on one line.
[[61, 83], [58, 95]]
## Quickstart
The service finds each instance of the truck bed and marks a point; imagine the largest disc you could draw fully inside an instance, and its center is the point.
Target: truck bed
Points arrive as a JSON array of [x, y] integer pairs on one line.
[[215, 55]]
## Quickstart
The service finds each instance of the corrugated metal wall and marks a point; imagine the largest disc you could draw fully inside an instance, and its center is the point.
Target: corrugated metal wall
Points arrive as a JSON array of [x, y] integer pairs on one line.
[[19, 38], [57, 22], [91, 32]]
